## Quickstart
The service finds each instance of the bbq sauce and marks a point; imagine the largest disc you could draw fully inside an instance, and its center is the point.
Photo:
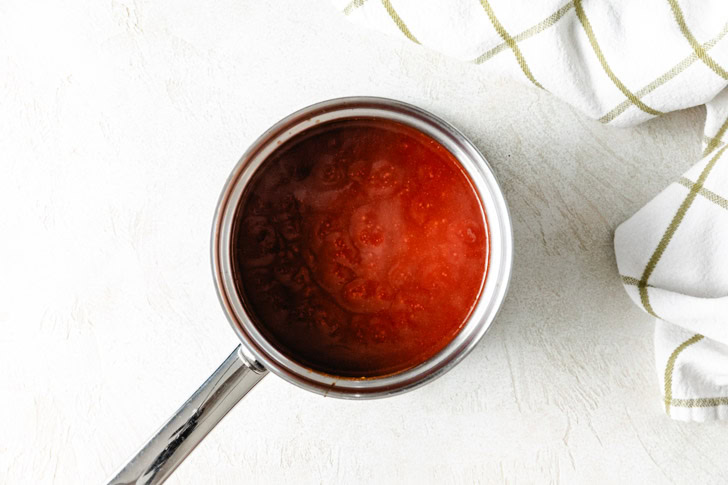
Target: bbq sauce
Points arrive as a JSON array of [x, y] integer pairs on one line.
[[360, 248]]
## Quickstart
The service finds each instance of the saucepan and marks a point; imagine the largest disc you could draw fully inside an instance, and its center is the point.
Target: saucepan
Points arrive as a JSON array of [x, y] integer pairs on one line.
[[257, 355]]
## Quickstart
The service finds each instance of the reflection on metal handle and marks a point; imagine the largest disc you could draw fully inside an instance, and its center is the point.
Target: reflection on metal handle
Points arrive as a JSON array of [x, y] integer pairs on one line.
[[203, 410]]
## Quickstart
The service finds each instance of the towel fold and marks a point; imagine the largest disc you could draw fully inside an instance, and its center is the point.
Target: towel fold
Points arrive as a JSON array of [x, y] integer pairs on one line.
[[622, 62]]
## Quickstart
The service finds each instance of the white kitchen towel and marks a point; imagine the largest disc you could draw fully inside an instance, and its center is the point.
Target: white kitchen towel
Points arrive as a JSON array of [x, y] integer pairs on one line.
[[622, 62]]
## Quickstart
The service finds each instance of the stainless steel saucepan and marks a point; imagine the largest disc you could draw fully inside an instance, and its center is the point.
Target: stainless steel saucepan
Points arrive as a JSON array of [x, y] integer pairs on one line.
[[255, 356]]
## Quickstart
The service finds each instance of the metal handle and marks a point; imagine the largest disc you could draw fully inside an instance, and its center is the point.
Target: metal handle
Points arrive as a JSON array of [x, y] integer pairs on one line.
[[164, 451]]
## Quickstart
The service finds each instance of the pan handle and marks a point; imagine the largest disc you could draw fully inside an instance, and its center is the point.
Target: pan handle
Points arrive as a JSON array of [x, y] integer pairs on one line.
[[164, 451]]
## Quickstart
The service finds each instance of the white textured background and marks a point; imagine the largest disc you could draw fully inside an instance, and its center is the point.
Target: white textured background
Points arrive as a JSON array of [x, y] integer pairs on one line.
[[119, 122]]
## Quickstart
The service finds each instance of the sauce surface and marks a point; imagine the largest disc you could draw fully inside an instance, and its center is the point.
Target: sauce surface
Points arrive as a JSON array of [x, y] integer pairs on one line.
[[360, 248]]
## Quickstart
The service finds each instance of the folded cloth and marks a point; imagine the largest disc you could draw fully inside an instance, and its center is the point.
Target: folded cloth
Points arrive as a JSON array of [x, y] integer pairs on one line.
[[622, 62]]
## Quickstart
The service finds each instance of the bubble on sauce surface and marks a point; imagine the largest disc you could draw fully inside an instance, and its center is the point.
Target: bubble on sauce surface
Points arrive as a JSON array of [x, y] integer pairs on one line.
[[319, 226], [383, 180], [436, 274], [367, 296], [377, 231], [375, 328], [290, 229], [327, 316], [411, 304], [366, 230], [401, 273], [338, 248], [376, 224], [465, 233], [423, 207], [332, 276], [329, 173], [358, 171]]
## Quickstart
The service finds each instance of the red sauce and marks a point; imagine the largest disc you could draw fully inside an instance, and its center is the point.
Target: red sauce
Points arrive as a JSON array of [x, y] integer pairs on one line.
[[360, 248]]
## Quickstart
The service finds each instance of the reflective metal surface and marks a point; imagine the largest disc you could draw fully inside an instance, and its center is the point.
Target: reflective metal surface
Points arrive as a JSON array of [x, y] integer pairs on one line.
[[164, 451]]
